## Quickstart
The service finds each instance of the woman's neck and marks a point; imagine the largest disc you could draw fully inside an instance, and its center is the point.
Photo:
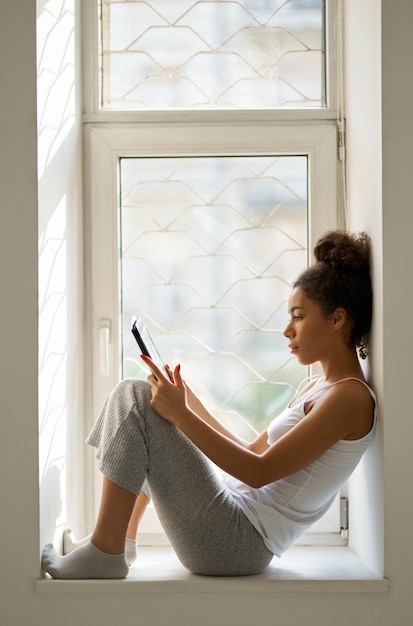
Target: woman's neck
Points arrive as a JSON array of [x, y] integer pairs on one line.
[[344, 364]]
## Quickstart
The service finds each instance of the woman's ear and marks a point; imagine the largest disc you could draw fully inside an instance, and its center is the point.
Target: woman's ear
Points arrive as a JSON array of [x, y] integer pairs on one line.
[[339, 317]]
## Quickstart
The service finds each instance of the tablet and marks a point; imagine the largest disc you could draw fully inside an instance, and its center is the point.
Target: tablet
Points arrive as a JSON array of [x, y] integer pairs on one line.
[[146, 343]]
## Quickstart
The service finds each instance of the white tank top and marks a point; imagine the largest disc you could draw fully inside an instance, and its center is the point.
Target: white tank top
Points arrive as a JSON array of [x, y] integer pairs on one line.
[[284, 510]]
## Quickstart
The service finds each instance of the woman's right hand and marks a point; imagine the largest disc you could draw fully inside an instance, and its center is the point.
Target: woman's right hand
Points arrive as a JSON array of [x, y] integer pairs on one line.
[[168, 397]]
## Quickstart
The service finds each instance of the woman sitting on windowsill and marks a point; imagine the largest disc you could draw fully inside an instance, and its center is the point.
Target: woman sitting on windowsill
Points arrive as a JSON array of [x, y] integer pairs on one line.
[[159, 433]]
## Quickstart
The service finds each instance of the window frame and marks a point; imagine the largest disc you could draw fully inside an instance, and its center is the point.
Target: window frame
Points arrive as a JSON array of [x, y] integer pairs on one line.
[[106, 144], [91, 81], [111, 135]]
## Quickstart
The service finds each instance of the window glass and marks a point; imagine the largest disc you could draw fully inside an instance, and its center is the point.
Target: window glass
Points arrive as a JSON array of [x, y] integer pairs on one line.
[[209, 249], [190, 54]]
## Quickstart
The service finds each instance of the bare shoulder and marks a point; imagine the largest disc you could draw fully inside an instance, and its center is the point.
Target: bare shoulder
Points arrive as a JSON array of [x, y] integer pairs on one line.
[[355, 390], [354, 403]]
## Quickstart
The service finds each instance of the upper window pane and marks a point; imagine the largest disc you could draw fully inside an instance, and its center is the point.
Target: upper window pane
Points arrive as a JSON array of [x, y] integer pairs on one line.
[[188, 54]]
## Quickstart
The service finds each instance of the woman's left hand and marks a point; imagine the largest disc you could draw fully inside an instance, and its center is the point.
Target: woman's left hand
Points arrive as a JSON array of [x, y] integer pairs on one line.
[[168, 397]]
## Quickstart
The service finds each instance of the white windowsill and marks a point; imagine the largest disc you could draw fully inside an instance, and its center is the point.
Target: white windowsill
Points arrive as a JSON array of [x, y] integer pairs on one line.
[[301, 569]]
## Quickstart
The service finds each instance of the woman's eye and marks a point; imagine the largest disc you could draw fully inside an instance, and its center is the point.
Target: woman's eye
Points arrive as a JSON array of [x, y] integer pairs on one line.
[[297, 317]]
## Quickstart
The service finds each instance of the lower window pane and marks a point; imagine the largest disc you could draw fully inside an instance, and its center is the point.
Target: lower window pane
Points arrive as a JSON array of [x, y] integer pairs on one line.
[[209, 249]]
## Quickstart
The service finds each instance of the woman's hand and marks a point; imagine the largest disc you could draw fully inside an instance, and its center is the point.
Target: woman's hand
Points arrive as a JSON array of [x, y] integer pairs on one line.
[[168, 394], [170, 400]]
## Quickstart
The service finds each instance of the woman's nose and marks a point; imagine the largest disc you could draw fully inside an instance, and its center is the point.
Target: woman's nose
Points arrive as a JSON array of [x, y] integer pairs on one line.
[[288, 330]]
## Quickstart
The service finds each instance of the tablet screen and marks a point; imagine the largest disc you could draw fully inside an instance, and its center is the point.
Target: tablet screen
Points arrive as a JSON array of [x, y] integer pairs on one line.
[[146, 343]]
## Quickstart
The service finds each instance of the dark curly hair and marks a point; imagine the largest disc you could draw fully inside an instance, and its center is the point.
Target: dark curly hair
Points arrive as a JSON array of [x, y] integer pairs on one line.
[[340, 277]]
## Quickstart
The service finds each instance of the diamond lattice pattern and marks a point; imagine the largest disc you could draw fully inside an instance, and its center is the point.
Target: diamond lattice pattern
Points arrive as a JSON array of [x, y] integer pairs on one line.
[[169, 54]]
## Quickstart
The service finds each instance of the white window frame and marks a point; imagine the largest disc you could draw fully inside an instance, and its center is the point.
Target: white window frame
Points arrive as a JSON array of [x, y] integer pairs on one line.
[[105, 145], [111, 135]]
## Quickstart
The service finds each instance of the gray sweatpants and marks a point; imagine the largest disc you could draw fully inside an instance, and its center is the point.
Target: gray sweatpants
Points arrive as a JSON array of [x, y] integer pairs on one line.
[[206, 527]]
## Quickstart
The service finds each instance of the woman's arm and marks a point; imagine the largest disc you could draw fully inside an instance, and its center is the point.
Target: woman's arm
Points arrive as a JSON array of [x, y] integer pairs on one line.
[[197, 407], [170, 401], [336, 416]]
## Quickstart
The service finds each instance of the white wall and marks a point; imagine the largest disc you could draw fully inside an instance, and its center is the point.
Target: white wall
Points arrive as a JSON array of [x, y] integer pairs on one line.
[[60, 267], [364, 153], [387, 218], [18, 311], [397, 98]]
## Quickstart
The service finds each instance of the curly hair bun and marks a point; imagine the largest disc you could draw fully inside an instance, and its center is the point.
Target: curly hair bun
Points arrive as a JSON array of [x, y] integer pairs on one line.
[[341, 249]]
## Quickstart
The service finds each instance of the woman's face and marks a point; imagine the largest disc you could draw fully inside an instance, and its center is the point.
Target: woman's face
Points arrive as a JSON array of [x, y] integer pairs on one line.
[[309, 332]]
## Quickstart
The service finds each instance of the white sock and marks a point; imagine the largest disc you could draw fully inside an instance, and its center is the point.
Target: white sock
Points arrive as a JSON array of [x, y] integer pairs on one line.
[[131, 550], [85, 562], [69, 544]]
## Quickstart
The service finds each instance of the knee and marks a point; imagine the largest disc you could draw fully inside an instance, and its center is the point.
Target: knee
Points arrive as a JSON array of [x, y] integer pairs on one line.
[[142, 394], [130, 392], [132, 385]]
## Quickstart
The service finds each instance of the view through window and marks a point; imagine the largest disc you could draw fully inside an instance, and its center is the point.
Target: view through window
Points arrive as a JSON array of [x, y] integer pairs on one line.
[[209, 248], [205, 54]]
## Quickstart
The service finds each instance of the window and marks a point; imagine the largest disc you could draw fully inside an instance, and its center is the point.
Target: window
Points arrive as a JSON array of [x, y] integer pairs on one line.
[[167, 54], [209, 246], [211, 171]]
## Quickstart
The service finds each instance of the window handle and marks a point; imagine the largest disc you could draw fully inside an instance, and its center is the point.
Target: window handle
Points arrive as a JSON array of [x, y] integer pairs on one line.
[[104, 341]]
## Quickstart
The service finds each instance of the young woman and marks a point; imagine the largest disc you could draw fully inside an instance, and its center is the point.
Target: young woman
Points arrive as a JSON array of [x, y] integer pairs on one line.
[[278, 485]]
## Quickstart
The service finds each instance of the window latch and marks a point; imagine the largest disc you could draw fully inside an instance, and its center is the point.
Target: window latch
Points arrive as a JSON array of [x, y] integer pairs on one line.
[[104, 341]]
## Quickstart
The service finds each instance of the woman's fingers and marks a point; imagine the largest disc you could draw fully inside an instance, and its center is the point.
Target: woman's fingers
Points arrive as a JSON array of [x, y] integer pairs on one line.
[[177, 376], [156, 372], [169, 372]]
